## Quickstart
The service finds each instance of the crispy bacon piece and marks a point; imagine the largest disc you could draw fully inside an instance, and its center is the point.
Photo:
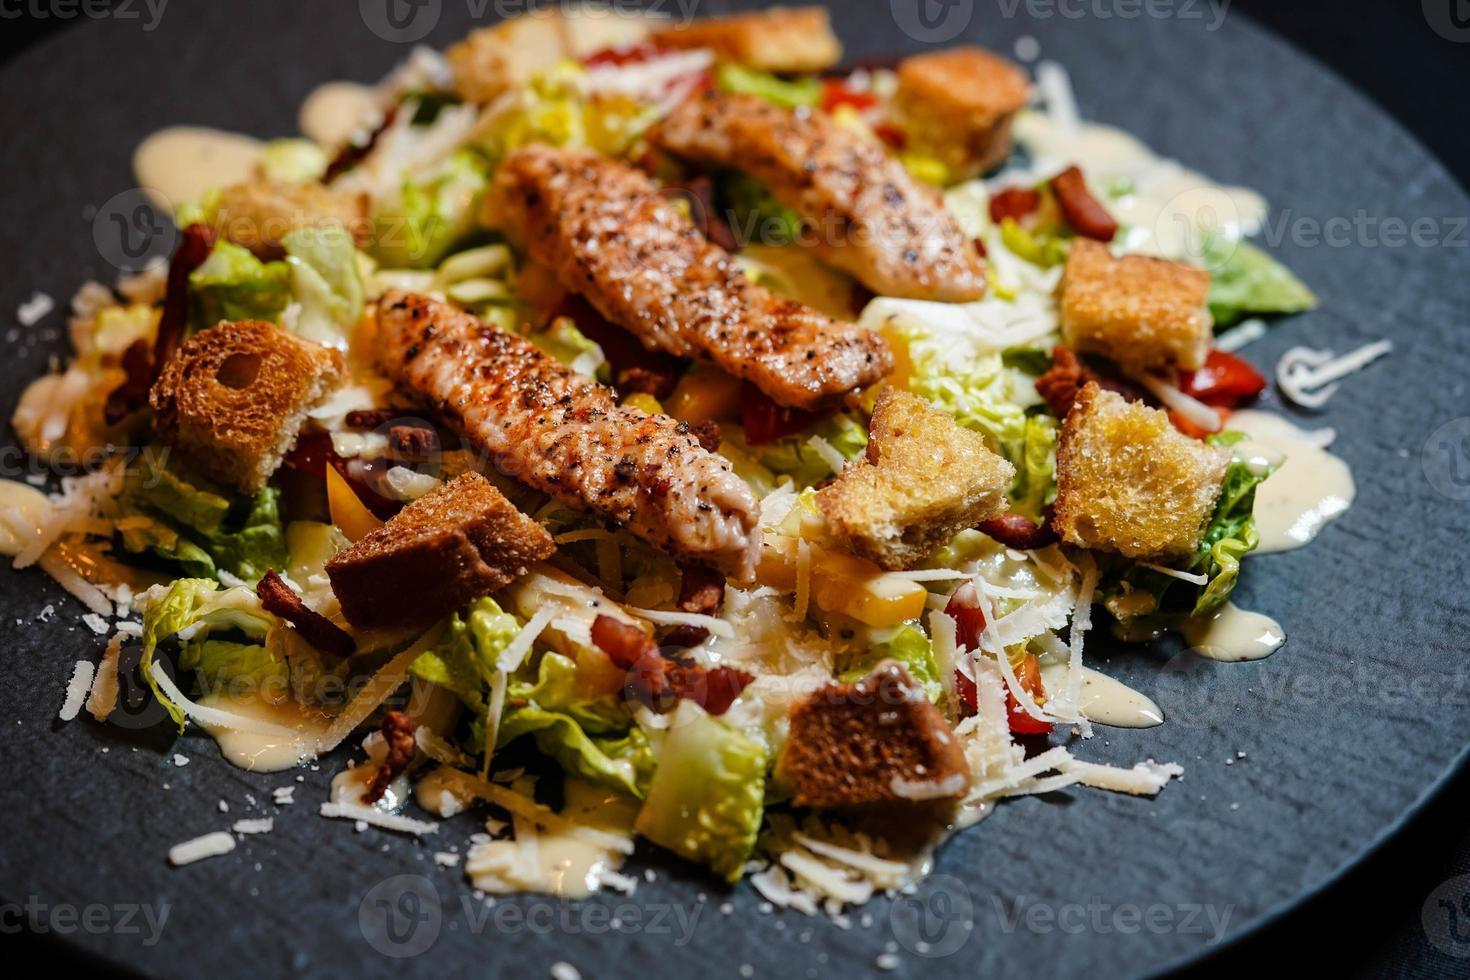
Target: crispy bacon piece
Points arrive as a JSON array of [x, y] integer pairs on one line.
[[634, 367], [1018, 531], [398, 729], [319, 631], [1069, 374], [701, 590], [660, 681], [699, 192], [351, 154], [195, 244], [1082, 211], [685, 636], [1014, 203]]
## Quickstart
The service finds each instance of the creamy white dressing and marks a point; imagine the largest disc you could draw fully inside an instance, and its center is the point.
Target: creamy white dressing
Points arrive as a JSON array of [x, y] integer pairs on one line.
[[267, 753], [1166, 206], [1233, 635], [179, 165], [335, 111], [1310, 488], [1105, 700]]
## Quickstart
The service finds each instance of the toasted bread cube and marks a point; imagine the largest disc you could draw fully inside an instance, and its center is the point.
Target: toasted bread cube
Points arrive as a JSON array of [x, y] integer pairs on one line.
[[494, 59], [781, 39], [1128, 481], [444, 550], [233, 398], [958, 105], [924, 479], [259, 213], [876, 741], [1141, 312]]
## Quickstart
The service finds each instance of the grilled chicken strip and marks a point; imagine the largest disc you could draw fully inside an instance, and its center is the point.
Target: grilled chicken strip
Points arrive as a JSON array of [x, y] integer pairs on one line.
[[608, 234], [564, 434], [869, 217]]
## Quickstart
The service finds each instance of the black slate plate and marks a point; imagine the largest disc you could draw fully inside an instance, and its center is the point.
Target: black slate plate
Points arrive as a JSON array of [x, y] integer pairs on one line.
[[1345, 731]]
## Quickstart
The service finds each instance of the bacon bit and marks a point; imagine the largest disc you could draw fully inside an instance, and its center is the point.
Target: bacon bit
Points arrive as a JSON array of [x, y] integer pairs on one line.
[[414, 443], [641, 380], [132, 394], [891, 134], [708, 434], [398, 729], [660, 681], [1069, 375], [1082, 211], [1014, 203], [685, 636], [351, 154], [319, 631], [1019, 532], [373, 418], [195, 244], [623, 351], [981, 250], [764, 421], [701, 590]]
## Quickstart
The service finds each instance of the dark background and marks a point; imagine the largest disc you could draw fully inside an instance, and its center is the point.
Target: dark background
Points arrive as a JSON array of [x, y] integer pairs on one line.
[[1369, 924]]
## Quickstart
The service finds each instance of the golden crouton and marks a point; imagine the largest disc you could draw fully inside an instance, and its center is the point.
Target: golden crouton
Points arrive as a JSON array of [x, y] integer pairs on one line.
[[493, 59], [232, 399], [924, 480], [1140, 311], [873, 742], [258, 214], [957, 105], [1128, 481], [444, 550], [781, 39]]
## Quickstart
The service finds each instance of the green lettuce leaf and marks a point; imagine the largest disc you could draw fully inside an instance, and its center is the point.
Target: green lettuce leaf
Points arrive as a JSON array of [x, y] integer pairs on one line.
[[755, 214], [198, 606], [793, 455], [232, 284], [465, 659], [1036, 467], [563, 341], [906, 644], [223, 663], [296, 161], [707, 794], [431, 215], [1245, 279], [325, 282], [184, 520], [806, 91]]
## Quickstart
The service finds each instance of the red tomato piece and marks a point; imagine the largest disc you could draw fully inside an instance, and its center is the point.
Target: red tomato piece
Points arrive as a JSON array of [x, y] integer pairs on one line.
[[1224, 382]]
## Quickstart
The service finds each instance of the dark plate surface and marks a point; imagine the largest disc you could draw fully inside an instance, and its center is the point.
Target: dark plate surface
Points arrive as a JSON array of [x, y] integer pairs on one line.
[[1344, 731]]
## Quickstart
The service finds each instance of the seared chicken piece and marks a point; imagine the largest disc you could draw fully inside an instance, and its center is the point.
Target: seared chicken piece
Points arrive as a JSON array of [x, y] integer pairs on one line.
[[564, 434], [608, 234], [868, 216]]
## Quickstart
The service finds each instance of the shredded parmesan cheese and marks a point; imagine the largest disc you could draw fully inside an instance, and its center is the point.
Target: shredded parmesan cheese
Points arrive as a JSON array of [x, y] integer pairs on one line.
[[208, 846], [1309, 377], [102, 699], [76, 690], [377, 818]]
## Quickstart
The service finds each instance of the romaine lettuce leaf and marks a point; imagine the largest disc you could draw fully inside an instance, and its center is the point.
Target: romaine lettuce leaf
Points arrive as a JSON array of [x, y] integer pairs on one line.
[[1036, 467], [806, 91], [232, 284], [465, 659], [1245, 279], [794, 456], [325, 283], [431, 215], [906, 644], [707, 794], [755, 214], [224, 663]]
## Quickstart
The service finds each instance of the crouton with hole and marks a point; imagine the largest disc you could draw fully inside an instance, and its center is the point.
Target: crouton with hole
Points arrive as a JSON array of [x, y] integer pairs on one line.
[[441, 552], [924, 479], [233, 398], [1142, 312], [781, 39], [258, 214], [957, 106], [1129, 482], [876, 741]]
